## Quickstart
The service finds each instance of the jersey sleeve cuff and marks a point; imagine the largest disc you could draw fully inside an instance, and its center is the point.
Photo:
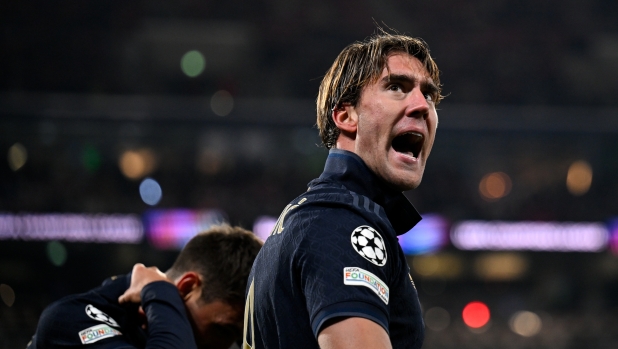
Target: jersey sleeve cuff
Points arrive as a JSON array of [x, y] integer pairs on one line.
[[349, 309]]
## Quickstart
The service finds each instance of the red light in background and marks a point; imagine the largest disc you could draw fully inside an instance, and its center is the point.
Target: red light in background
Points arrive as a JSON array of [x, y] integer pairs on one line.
[[475, 314]]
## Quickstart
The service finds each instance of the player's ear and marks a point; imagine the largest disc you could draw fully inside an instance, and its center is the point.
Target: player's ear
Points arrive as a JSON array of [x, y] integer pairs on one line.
[[187, 283], [346, 118]]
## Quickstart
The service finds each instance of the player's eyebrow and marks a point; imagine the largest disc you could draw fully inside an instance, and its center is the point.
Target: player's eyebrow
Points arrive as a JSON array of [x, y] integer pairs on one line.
[[427, 84], [398, 78]]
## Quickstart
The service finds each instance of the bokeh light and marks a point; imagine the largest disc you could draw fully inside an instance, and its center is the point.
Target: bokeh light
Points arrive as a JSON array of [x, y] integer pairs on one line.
[[7, 294], [17, 157], [263, 226], [193, 63], [525, 323], [437, 319], [426, 265], [501, 266], [57, 253], [475, 314], [91, 159], [440, 266], [209, 162], [136, 164], [150, 191], [428, 236], [222, 103], [579, 178], [495, 185]]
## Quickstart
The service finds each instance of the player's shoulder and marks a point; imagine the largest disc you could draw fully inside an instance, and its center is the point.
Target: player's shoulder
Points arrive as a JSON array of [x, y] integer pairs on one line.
[[76, 319]]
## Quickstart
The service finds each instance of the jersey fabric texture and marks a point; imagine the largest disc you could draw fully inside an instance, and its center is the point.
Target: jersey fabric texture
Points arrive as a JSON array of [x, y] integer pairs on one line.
[[96, 320], [315, 265]]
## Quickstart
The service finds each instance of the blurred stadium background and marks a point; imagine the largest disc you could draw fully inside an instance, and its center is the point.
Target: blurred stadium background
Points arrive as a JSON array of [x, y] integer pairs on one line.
[[127, 126]]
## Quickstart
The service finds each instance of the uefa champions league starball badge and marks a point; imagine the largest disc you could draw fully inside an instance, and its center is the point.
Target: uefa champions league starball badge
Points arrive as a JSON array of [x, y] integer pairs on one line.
[[98, 315], [369, 244]]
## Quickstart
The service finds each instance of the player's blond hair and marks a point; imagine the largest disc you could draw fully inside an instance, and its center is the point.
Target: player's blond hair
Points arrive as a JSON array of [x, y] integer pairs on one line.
[[358, 65]]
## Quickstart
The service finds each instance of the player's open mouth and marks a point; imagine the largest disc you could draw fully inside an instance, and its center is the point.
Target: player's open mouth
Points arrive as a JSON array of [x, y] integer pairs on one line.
[[409, 143]]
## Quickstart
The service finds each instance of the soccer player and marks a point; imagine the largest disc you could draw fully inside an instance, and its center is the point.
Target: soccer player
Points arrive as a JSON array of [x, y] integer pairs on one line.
[[197, 303], [332, 274]]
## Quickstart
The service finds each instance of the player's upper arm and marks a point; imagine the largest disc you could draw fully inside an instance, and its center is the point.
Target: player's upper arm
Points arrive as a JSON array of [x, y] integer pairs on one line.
[[352, 333]]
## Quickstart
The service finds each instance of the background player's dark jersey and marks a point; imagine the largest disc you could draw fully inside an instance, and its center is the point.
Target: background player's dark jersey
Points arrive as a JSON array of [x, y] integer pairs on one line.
[[334, 252], [94, 319]]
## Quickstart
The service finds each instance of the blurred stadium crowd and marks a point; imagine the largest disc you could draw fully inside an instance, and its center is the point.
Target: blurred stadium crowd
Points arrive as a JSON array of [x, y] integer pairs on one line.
[[214, 101]]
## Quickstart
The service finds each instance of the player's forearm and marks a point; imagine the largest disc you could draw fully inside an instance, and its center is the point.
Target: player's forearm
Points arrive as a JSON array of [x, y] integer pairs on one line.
[[352, 333], [168, 324]]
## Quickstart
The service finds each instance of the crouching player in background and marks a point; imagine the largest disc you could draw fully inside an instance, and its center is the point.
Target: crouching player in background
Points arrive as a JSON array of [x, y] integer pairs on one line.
[[198, 303]]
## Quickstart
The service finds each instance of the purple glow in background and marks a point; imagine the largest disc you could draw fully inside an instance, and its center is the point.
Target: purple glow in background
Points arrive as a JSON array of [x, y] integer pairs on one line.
[[429, 235], [173, 228], [263, 226], [116, 228], [532, 236], [613, 235]]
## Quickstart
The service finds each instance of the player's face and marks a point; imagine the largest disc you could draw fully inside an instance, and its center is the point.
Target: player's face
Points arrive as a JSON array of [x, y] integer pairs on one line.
[[397, 122], [216, 325]]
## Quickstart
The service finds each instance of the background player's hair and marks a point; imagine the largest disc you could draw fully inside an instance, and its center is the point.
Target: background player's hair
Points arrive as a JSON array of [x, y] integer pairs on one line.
[[223, 256], [358, 65]]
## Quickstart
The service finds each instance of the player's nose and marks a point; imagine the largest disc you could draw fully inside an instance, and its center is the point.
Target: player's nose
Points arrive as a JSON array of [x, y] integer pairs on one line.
[[418, 106]]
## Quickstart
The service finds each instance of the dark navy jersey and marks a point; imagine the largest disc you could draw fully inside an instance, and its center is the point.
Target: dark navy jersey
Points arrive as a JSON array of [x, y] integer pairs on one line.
[[334, 253], [95, 319]]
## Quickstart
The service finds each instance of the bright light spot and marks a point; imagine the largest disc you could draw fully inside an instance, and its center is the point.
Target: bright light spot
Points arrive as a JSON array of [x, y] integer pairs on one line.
[[136, 164], [222, 103], [475, 314], [437, 319], [57, 253], [263, 226], [525, 323], [579, 178], [17, 156], [193, 63], [150, 191], [495, 185], [7, 294], [501, 266]]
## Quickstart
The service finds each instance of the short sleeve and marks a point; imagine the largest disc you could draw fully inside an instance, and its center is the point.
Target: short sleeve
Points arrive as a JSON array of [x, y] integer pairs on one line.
[[344, 267]]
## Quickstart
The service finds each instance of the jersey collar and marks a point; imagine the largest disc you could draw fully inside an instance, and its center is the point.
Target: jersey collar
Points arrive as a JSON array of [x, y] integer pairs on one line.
[[349, 169]]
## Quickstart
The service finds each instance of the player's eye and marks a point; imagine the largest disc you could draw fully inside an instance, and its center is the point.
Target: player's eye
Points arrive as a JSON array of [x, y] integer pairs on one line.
[[394, 88], [429, 97]]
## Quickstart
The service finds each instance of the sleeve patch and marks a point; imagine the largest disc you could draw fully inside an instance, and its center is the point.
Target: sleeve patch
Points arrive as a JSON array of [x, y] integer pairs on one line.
[[96, 333], [353, 276], [369, 244]]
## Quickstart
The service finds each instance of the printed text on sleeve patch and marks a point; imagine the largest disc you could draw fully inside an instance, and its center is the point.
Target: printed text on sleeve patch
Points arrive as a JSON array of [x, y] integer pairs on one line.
[[359, 277]]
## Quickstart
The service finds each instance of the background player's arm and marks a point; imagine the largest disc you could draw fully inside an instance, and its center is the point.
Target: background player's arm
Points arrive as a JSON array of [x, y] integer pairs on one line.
[[140, 277], [166, 317], [352, 333]]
